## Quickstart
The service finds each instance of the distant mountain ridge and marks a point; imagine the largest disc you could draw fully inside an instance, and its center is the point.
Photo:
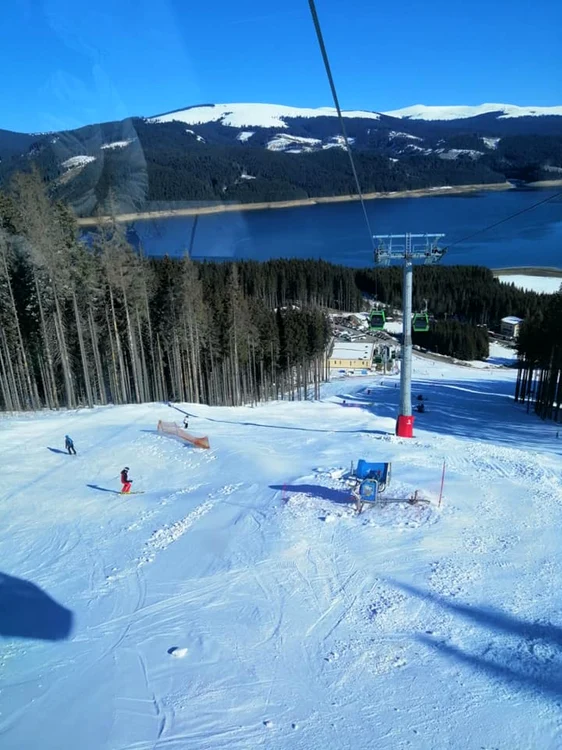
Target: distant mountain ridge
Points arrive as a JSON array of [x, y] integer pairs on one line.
[[251, 152], [455, 112]]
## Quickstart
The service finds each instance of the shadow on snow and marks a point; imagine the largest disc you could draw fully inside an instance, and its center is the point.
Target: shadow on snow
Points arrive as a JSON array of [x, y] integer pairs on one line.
[[475, 409], [103, 489], [282, 427], [316, 490], [535, 667], [26, 611]]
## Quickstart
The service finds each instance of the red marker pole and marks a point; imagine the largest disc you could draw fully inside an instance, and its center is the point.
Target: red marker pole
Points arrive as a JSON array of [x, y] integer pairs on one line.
[[442, 483]]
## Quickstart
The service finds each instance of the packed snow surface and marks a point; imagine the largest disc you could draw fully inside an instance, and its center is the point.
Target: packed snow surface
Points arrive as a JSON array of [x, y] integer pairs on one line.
[[424, 112], [117, 144], [253, 115], [241, 603], [544, 284], [197, 137], [454, 153], [78, 161], [282, 142], [395, 134], [245, 135]]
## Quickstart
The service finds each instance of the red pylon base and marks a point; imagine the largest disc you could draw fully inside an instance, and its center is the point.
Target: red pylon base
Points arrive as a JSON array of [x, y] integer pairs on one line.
[[405, 426]]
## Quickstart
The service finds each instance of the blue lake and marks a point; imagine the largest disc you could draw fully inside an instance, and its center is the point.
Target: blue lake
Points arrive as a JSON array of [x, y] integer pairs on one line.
[[337, 232]]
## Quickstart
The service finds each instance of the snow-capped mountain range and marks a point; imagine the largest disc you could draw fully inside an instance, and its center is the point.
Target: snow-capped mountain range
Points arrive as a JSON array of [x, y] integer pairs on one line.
[[461, 112], [254, 115], [294, 130], [142, 156], [243, 115]]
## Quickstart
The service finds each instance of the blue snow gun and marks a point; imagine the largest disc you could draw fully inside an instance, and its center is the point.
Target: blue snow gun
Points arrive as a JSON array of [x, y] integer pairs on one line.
[[379, 472]]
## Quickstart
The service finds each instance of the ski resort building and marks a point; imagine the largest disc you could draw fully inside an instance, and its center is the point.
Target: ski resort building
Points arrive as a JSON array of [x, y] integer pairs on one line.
[[356, 355], [510, 326]]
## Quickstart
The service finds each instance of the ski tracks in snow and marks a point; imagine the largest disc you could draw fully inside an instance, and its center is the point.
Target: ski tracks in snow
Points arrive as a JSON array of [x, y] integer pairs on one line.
[[163, 537], [169, 533], [367, 626]]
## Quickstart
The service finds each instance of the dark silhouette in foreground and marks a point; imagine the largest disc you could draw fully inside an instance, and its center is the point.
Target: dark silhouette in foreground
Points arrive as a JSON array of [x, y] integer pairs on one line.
[[26, 611]]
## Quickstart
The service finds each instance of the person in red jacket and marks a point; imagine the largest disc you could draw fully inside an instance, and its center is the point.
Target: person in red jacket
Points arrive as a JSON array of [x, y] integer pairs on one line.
[[125, 481]]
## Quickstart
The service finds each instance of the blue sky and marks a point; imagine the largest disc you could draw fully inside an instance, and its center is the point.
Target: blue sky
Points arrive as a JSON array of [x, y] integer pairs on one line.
[[67, 63]]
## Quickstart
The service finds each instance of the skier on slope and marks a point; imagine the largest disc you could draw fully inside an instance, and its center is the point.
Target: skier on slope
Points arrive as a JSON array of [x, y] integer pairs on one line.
[[69, 445], [125, 481], [186, 422]]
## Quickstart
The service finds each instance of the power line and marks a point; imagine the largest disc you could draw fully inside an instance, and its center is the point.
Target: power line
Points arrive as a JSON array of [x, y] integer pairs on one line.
[[507, 218], [340, 116]]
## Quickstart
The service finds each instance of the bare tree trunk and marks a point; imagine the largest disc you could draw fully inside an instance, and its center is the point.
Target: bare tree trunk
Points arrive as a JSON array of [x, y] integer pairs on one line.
[[124, 385], [49, 381], [146, 389], [22, 356], [8, 385], [83, 355], [65, 361], [97, 359]]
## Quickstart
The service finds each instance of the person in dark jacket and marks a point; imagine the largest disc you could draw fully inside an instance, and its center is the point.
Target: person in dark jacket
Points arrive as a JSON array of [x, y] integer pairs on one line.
[[125, 481], [69, 445]]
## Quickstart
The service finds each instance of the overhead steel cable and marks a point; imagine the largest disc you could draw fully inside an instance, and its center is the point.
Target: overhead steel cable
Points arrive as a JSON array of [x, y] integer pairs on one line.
[[503, 221], [340, 116]]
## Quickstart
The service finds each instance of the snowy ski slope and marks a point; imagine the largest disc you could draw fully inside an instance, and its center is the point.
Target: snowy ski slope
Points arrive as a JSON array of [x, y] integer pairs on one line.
[[305, 625]]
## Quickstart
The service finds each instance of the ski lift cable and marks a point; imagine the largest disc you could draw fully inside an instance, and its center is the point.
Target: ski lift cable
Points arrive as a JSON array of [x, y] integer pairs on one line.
[[320, 37], [507, 218]]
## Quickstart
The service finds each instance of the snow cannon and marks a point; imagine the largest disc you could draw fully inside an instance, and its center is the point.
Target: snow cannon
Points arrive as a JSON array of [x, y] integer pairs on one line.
[[366, 480], [378, 471]]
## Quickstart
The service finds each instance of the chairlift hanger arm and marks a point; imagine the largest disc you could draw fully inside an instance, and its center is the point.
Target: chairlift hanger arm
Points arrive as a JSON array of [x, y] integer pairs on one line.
[[386, 250]]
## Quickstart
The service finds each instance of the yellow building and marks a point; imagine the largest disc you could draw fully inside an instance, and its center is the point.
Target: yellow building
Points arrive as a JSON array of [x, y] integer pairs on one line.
[[357, 355]]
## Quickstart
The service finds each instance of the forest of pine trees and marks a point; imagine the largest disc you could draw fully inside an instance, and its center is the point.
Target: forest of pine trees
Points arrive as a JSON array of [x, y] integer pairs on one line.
[[464, 302], [454, 339], [469, 294], [98, 324], [539, 377], [85, 326]]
